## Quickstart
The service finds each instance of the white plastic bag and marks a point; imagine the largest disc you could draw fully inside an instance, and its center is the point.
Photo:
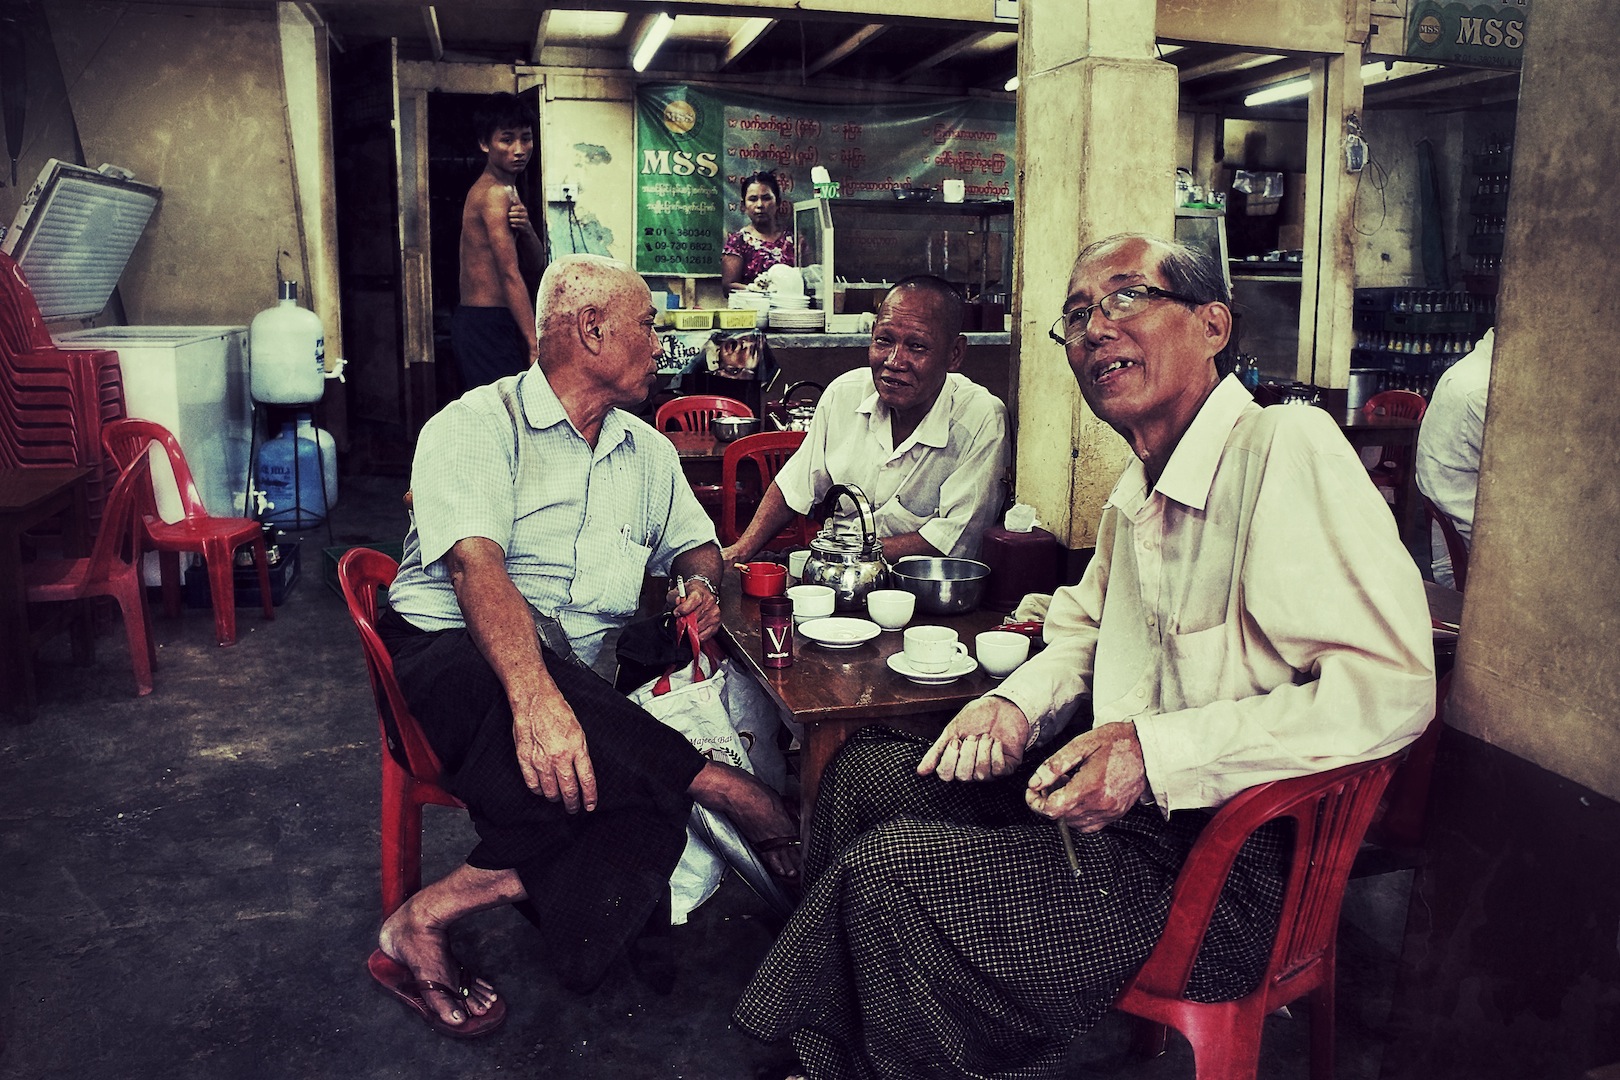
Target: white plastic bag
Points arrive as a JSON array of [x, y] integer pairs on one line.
[[728, 718]]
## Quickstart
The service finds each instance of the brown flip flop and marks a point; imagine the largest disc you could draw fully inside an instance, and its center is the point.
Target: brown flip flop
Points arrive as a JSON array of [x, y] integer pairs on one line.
[[397, 979]]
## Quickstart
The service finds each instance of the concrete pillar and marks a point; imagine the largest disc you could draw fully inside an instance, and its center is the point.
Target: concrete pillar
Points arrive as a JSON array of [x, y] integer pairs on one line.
[[1096, 146], [1536, 671]]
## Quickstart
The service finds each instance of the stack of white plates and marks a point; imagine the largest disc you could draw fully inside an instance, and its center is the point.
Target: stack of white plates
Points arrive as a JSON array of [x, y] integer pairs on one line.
[[781, 301], [798, 320], [758, 302]]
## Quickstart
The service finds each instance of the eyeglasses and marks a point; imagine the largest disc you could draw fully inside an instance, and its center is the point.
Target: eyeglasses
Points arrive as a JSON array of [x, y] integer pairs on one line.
[[1117, 306]]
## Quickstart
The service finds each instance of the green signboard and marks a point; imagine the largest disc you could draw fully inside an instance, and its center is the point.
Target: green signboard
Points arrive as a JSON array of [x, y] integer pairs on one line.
[[1489, 34], [693, 145]]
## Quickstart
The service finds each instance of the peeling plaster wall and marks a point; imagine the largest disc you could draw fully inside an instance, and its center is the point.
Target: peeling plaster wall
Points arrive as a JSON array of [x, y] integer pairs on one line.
[[189, 99], [588, 139], [47, 127], [1388, 219]]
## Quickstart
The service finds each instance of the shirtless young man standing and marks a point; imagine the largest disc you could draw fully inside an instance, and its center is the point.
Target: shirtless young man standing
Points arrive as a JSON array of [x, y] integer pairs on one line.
[[492, 329]]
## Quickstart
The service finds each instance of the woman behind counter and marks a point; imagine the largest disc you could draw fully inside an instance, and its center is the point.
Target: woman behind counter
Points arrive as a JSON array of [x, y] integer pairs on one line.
[[763, 242]]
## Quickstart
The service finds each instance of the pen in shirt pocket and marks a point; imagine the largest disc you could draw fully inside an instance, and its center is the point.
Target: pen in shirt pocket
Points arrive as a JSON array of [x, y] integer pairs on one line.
[[624, 539]]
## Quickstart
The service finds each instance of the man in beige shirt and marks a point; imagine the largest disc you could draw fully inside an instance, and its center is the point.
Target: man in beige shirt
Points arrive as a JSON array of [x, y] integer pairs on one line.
[[923, 442], [1249, 615]]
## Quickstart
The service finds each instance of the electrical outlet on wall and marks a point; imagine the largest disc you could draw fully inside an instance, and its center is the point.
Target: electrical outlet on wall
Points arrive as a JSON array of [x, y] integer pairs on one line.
[[565, 192]]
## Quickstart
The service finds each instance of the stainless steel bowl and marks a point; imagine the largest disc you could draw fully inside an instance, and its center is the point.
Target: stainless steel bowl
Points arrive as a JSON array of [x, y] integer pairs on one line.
[[942, 586], [728, 428]]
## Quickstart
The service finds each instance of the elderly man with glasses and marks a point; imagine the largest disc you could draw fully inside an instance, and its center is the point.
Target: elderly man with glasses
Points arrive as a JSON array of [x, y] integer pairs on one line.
[[1249, 615]]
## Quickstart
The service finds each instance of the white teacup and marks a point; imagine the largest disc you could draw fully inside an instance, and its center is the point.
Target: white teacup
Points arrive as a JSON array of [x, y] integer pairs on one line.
[[932, 649], [890, 608], [796, 560], [1000, 651], [811, 601]]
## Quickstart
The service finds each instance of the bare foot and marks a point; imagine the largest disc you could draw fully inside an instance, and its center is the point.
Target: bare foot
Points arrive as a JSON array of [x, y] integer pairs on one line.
[[756, 810], [412, 938]]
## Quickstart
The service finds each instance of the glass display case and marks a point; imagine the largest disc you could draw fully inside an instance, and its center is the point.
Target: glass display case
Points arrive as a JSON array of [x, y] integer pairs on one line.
[[868, 244]]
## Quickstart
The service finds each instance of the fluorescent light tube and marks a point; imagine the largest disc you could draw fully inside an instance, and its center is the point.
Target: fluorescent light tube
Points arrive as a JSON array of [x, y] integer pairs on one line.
[[651, 39], [1282, 91]]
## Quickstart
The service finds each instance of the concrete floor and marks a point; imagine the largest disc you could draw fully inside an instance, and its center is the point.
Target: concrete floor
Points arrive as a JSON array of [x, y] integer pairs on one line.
[[190, 887]]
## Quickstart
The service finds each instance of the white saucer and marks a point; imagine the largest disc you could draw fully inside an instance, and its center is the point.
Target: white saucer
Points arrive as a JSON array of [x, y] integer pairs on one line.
[[962, 665], [839, 632]]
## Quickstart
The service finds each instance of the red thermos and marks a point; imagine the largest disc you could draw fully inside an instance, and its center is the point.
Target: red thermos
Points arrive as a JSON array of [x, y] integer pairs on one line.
[[1020, 563], [776, 631]]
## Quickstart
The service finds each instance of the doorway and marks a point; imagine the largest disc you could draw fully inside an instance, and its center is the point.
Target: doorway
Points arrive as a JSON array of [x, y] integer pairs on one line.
[[454, 163]]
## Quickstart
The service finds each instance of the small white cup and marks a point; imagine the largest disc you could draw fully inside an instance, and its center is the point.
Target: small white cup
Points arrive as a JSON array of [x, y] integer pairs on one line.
[[890, 608], [931, 650], [796, 560], [1000, 651], [811, 601]]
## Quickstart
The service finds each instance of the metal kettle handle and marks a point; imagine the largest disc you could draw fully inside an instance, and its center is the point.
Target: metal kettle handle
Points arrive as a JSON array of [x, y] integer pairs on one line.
[[863, 509], [788, 393]]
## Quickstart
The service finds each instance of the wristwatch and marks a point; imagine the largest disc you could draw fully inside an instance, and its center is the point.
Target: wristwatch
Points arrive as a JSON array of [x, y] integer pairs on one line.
[[714, 590]]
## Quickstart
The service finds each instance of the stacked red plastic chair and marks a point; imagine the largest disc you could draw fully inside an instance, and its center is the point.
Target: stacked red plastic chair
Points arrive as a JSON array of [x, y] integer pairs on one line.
[[53, 402]]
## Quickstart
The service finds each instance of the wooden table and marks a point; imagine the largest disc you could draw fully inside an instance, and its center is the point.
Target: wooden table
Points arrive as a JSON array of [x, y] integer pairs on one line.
[[29, 497], [697, 446], [834, 692]]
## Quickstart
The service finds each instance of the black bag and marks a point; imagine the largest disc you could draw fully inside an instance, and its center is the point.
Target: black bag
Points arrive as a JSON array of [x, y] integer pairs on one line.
[[647, 648]]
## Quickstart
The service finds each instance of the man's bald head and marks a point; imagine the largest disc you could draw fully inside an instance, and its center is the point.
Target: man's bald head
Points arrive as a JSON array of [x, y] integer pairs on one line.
[[574, 282]]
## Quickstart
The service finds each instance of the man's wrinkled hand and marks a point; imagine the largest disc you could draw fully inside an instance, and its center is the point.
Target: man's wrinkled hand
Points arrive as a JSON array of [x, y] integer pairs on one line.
[[552, 755], [702, 605], [1093, 780], [984, 741]]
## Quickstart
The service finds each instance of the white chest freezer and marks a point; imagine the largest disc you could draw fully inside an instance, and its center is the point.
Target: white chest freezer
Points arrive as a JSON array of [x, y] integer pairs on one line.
[[194, 381]]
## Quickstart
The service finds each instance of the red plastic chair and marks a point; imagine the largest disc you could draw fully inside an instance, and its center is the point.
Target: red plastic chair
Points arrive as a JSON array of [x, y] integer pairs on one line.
[[53, 401], [214, 538], [1402, 818], [1456, 546], [1331, 811], [411, 774], [767, 451], [1394, 467], [1402, 403], [113, 568], [694, 411]]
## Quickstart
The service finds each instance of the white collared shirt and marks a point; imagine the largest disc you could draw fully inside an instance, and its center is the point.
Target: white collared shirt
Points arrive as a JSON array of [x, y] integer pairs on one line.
[[1452, 433], [944, 482], [579, 526], [1254, 613]]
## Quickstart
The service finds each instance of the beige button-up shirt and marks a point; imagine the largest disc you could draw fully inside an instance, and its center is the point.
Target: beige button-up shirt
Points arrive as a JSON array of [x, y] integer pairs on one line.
[[944, 482], [1254, 612]]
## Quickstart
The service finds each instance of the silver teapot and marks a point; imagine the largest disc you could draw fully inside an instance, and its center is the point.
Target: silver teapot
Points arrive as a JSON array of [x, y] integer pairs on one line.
[[796, 415], [851, 565]]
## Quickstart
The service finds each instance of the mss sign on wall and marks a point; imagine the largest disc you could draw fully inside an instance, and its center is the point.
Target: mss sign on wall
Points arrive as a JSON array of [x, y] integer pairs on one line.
[[692, 146], [1488, 34]]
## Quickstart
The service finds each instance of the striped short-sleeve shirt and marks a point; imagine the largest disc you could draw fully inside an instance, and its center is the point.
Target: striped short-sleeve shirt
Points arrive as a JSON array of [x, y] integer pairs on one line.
[[580, 525]]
